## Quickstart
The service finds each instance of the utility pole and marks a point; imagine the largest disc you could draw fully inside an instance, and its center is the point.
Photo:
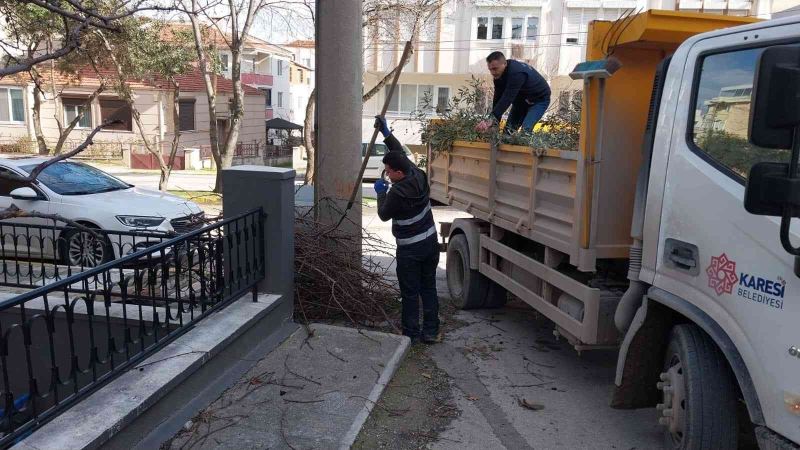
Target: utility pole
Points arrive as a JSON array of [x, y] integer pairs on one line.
[[338, 111]]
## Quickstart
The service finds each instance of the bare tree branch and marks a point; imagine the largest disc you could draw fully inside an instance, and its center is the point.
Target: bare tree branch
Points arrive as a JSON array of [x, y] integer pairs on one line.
[[72, 43]]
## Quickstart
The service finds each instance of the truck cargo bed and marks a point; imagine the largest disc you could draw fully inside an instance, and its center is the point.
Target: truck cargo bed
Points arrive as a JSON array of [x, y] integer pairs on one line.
[[539, 195]]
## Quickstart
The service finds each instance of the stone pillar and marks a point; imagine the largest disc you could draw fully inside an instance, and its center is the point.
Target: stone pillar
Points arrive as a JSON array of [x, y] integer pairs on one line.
[[338, 112], [272, 189]]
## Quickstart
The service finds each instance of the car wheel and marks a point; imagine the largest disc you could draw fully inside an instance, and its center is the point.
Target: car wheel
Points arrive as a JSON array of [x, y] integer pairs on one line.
[[84, 249], [699, 405]]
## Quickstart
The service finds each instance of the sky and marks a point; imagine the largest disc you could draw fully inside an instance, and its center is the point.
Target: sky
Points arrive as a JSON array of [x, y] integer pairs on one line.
[[726, 69]]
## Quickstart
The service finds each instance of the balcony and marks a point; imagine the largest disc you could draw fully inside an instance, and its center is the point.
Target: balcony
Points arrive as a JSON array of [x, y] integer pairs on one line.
[[257, 79]]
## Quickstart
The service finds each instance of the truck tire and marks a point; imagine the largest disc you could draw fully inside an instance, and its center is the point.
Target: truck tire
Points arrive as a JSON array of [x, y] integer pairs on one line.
[[496, 297], [698, 393], [468, 288]]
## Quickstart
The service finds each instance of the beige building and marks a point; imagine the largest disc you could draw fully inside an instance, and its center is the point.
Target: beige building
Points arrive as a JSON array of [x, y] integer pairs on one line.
[[153, 100], [729, 112]]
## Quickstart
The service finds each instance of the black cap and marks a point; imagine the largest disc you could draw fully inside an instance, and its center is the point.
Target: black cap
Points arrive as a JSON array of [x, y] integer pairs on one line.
[[397, 161]]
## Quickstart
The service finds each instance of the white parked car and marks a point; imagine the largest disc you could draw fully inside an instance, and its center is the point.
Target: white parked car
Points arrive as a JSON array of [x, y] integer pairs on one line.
[[93, 198], [375, 164]]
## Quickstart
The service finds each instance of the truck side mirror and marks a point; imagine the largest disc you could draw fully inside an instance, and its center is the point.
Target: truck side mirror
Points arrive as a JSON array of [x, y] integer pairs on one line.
[[773, 189]]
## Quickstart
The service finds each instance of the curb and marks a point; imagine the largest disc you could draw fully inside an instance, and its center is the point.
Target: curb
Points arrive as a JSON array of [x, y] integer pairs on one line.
[[386, 376]]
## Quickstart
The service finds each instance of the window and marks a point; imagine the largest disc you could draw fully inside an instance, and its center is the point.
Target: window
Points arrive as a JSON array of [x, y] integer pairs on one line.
[[280, 68], [516, 27], [408, 97], [12, 105], [267, 97], [70, 178], [307, 62], [74, 107], [442, 99], [248, 65], [533, 28], [186, 114], [722, 113], [280, 99], [116, 110], [6, 185], [291, 72], [300, 72], [411, 97], [497, 28], [223, 60], [483, 26]]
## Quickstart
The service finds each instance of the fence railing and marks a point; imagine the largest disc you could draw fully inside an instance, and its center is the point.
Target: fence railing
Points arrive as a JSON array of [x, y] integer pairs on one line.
[[253, 149], [98, 150], [247, 150], [62, 341], [37, 254]]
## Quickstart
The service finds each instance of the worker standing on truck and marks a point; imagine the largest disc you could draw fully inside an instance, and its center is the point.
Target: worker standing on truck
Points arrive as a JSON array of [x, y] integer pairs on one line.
[[408, 206], [519, 86]]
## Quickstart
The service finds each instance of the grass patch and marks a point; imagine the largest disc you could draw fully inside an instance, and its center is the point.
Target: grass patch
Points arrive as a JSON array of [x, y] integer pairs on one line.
[[202, 197]]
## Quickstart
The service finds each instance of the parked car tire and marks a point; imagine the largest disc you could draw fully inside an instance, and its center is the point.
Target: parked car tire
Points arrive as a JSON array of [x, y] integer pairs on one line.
[[81, 248], [468, 287], [699, 404]]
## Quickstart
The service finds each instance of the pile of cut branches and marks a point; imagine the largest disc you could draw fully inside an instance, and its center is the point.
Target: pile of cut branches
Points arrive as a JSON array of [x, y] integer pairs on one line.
[[334, 282], [560, 127]]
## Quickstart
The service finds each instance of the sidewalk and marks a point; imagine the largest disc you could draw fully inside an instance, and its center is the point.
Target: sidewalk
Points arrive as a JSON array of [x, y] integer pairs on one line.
[[314, 391]]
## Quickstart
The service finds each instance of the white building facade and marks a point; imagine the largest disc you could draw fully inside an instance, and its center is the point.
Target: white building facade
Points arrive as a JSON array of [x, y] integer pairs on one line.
[[548, 34]]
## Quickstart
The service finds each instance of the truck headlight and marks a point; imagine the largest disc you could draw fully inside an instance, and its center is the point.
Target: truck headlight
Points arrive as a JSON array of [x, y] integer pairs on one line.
[[140, 221]]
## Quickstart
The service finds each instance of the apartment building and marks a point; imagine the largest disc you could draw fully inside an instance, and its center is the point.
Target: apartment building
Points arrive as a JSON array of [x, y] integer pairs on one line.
[[452, 47]]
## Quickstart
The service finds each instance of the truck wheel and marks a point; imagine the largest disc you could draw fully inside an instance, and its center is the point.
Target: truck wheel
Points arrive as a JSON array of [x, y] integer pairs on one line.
[[496, 297], [468, 288], [698, 393]]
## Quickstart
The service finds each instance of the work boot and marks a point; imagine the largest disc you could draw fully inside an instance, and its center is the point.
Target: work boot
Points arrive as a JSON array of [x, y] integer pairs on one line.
[[435, 339]]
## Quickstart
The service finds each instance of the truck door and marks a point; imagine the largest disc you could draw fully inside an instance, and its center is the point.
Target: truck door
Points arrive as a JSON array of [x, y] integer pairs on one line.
[[714, 254]]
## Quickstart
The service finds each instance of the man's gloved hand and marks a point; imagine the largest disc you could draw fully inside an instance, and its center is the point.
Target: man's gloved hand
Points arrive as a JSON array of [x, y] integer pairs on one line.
[[381, 187], [483, 126], [380, 123]]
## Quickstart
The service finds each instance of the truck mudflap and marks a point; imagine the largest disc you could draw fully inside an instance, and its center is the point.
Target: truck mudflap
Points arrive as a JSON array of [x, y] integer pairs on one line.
[[639, 366]]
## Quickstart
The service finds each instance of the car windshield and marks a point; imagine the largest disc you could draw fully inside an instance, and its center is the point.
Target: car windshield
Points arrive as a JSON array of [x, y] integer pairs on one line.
[[69, 178]]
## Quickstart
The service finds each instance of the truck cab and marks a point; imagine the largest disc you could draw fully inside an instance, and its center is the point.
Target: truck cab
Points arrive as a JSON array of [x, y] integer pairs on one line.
[[719, 272]]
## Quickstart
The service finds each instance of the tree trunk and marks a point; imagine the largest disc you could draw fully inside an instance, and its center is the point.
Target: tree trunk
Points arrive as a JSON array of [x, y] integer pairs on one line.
[[309, 133], [209, 80], [37, 121], [237, 105], [163, 182]]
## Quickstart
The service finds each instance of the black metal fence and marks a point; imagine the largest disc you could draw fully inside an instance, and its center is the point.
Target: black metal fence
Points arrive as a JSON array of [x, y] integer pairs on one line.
[[34, 253], [65, 339]]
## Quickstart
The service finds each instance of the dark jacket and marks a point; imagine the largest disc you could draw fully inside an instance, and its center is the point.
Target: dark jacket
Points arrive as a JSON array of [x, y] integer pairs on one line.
[[407, 203], [519, 83]]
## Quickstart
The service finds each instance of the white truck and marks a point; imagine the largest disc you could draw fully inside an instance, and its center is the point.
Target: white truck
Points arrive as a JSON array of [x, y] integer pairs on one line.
[[667, 232]]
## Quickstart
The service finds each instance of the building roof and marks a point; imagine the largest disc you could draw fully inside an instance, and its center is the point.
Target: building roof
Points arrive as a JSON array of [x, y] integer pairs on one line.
[[282, 124], [221, 40], [295, 63], [301, 44], [193, 81]]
